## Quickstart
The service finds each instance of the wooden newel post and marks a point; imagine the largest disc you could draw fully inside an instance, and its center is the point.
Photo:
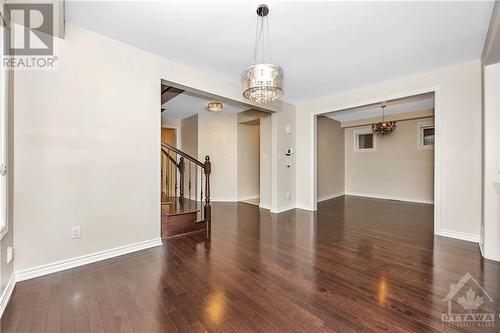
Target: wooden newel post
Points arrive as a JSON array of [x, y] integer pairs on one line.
[[181, 178], [208, 171]]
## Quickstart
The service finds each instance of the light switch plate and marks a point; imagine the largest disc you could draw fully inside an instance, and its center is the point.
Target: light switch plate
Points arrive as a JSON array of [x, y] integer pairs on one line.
[[10, 254], [75, 232]]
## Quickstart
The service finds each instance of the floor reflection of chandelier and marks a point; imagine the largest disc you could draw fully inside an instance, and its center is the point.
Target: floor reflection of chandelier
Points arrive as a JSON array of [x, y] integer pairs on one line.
[[384, 127]]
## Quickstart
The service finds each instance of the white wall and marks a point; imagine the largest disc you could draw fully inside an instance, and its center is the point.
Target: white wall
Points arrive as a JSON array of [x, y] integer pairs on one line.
[[458, 181], [167, 121], [331, 158], [248, 161], [6, 269], [283, 177], [491, 194], [397, 169], [267, 157], [265, 162], [189, 135], [217, 138], [87, 147]]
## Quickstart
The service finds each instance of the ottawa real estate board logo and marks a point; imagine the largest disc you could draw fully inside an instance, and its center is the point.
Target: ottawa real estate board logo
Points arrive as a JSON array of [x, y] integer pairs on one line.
[[28, 36], [468, 305]]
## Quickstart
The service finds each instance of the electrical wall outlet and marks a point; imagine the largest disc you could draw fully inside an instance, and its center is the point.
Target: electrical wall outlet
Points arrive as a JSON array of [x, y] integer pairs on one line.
[[10, 254], [75, 232], [288, 195]]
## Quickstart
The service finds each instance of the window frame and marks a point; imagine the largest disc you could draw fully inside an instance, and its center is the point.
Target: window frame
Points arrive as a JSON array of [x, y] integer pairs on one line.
[[364, 131], [421, 126]]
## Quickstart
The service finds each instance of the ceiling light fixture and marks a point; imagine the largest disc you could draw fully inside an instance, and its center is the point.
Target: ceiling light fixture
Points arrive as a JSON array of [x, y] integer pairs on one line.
[[384, 127], [263, 82], [215, 107]]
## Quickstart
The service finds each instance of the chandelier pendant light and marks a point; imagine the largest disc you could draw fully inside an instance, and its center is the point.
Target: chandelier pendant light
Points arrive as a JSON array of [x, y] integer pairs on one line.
[[263, 81], [215, 107], [384, 127]]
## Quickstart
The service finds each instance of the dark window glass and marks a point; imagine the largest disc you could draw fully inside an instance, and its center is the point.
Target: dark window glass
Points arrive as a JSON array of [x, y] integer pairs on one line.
[[428, 134], [365, 141]]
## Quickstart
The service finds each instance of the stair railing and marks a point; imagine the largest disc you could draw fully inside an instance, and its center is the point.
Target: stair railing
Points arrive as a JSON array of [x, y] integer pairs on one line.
[[179, 168]]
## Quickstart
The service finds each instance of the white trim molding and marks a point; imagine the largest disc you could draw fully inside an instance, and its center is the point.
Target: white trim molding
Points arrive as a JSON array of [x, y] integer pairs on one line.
[[364, 131], [390, 197], [62, 265], [421, 126], [330, 196], [305, 207], [249, 197], [436, 89], [223, 199], [283, 209], [265, 206], [459, 235], [7, 292]]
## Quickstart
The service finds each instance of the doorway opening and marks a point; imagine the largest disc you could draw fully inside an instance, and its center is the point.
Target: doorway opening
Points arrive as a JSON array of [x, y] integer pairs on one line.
[[353, 160], [233, 137], [249, 161]]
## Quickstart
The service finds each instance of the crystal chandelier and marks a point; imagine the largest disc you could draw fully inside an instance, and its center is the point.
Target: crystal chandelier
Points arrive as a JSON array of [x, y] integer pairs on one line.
[[263, 82], [384, 127], [215, 107]]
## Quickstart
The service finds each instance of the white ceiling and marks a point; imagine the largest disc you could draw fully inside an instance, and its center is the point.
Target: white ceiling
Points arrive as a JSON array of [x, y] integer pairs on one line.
[[188, 104], [408, 104], [323, 47]]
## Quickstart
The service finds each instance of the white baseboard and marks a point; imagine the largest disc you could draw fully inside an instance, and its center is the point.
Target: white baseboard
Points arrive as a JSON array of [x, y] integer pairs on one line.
[[265, 206], [389, 197], [223, 199], [283, 208], [459, 235], [248, 197], [304, 207], [62, 265], [331, 196], [7, 292]]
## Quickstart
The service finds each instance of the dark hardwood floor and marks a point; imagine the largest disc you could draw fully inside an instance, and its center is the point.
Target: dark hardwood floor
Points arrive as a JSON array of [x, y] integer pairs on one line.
[[356, 265]]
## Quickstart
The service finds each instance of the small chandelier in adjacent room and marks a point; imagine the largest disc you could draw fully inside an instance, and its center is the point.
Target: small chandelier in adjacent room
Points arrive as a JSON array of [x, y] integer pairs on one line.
[[215, 107], [263, 81], [384, 127]]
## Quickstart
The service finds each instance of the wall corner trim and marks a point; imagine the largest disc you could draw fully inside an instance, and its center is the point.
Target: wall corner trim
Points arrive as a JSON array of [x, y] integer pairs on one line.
[[459, 235], [62, 265], [330, 196], [5, 297], [283, 208], [265, 206], [390, 197], [248, 197], [305, 207], [224, 199]]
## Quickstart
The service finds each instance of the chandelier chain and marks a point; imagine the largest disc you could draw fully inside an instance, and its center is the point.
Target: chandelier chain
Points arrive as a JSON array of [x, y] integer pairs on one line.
[[260, 40], [269, 40], [256, 41]]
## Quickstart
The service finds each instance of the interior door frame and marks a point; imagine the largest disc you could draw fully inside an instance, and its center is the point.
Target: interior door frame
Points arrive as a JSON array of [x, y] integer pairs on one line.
[[177, 135], [437, 144], [177, 142]]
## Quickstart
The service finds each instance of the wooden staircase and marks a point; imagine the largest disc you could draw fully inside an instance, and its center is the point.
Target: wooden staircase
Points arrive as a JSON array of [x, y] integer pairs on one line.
[[181, 215]]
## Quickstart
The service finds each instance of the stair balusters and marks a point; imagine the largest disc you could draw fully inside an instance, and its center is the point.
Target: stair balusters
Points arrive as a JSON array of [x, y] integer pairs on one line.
[[174, 163]]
